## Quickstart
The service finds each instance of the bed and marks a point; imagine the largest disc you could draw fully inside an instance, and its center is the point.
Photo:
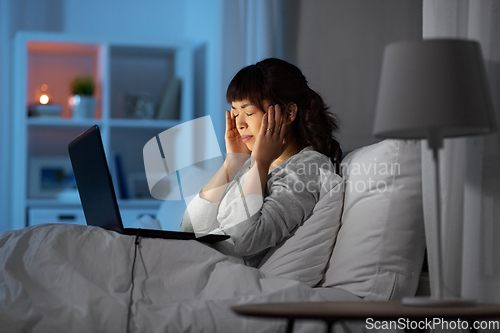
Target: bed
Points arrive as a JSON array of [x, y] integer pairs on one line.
[[364, 243]]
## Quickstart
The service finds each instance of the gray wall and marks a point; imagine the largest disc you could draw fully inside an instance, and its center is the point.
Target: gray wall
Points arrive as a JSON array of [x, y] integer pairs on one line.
[[339, 46], [195, 20]]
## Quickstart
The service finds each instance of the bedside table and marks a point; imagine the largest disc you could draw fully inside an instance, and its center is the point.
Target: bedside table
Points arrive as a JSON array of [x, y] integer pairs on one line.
[[377, 314]]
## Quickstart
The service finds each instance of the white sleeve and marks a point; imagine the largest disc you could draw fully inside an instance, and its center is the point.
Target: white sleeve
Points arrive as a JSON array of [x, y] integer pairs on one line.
[[200, 216], [239, 210]]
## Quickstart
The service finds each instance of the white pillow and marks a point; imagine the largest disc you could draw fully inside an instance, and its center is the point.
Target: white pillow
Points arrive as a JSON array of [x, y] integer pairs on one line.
[[303, 256], [381, 243]]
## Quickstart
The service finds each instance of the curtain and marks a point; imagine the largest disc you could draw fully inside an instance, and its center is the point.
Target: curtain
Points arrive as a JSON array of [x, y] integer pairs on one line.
[[251, 30], [470, 167]]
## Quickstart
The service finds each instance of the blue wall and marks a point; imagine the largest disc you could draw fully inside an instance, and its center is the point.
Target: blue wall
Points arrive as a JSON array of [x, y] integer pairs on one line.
[[198, 21]]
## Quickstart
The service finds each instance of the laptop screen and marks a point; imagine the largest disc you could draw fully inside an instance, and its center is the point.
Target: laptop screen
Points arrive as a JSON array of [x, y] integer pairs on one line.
[[93, 180]]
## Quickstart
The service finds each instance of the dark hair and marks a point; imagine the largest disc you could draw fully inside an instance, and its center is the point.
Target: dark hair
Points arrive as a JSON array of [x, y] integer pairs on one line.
[[280, 82]]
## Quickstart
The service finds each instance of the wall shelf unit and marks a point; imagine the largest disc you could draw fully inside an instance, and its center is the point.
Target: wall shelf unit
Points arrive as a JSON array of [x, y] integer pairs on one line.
[[132, 80]]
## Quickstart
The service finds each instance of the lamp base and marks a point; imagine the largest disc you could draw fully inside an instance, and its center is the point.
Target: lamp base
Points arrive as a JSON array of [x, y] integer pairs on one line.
[[437, 302]]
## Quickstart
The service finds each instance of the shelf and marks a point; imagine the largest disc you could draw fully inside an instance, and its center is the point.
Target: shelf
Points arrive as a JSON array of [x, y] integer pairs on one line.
[[143, 123], [115, 123], [124, 204], [51, 203], [61, 122], [138, 72], [139, 203], [56, 64], [131, 78]]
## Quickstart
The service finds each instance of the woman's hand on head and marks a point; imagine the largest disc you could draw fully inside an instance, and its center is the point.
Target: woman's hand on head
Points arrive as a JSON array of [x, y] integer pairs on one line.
[[270, 143], [234, 144]]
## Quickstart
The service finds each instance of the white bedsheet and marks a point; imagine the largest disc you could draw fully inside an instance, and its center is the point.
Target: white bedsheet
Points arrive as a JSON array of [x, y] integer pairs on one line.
[[70, 278]]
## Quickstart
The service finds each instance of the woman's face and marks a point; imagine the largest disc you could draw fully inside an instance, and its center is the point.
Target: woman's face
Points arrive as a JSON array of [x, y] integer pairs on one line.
[[248, 119]]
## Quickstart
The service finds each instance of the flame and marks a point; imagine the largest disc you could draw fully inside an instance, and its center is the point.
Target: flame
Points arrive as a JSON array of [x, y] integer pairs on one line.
[[44, 99]]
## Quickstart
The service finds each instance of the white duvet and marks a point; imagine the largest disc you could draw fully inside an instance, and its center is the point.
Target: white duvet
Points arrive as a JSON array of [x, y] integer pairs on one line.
[[70, 278]]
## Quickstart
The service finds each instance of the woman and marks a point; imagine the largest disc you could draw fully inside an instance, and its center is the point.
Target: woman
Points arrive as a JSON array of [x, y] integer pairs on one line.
[[280, 145]]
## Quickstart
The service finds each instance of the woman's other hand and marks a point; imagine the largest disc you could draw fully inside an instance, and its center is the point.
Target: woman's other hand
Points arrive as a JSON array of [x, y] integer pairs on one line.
[[270, 143]]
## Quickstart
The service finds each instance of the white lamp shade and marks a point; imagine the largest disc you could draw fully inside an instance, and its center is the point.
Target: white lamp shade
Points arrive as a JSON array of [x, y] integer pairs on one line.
[[433, 86]]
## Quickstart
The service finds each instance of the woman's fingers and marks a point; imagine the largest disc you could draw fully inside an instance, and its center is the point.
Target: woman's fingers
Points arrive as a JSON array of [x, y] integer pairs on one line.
[[229, 121], [264, 125], [271, 120], [277, 119]]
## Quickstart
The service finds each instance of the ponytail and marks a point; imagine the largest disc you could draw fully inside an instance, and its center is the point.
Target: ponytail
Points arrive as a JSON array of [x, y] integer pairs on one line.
[[317, 125]]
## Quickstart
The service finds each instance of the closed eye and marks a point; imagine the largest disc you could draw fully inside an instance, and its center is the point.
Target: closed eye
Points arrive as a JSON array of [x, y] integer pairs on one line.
[[248, 115]]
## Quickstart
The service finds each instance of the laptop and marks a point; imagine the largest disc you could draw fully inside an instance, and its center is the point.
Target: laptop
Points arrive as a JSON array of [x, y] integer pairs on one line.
[[97, 193]]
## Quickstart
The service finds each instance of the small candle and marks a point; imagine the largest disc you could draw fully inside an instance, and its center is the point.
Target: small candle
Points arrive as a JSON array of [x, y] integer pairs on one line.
[[44, 99]]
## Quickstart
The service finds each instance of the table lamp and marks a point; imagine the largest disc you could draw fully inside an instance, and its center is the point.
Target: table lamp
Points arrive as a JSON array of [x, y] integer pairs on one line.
[[433, 89]]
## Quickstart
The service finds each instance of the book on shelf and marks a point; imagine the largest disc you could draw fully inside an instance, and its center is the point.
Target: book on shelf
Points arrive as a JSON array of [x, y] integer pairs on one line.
[[169, 104]]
